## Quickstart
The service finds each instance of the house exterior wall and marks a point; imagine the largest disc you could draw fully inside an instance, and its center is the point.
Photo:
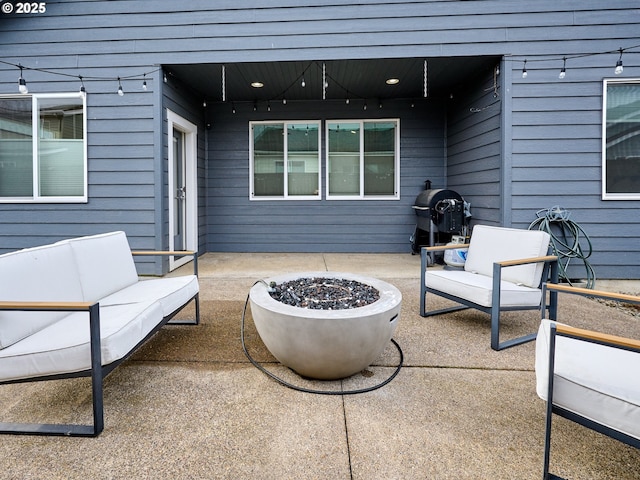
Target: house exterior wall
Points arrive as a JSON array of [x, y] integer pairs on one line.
[[474, 147], [236, 223], [550, 130]]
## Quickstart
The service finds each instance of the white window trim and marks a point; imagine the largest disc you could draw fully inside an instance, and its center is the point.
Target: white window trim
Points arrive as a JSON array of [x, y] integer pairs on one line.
[[606, 195], [36, 198], [286, 195], [362, 196]]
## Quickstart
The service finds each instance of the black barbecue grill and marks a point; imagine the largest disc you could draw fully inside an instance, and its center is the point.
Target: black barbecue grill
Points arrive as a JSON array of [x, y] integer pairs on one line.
[[440, 214]]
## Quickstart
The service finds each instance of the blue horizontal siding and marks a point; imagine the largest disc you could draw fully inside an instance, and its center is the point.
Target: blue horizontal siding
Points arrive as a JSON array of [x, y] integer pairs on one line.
[[507, 170]]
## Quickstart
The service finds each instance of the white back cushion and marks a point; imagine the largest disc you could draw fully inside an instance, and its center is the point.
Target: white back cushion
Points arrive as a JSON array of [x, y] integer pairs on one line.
[[104, 264], [40, 274], [495, 244]]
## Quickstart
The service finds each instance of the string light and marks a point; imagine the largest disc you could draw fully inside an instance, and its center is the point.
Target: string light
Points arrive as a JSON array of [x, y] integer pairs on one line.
[[619, 67], [424, 80], [224, 83], [22, 84], [324, 81]]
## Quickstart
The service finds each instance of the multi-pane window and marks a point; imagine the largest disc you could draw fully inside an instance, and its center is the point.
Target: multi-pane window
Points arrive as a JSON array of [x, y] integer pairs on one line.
[[43, 148], [285, 160], [621, 141], [362, 159]]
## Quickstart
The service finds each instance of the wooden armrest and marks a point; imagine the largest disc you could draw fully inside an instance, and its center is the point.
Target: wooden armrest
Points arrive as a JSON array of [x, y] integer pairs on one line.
[[598, 337], [446, 247], [523, 261], [43, 306], [593, 293], [163, 252]]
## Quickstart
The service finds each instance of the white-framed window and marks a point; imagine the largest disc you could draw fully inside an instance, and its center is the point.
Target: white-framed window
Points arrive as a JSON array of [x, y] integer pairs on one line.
[[43, 148], [284, 160], [363, 159], [621, 140]]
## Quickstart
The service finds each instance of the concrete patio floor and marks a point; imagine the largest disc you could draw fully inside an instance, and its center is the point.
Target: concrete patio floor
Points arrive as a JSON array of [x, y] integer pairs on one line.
[[189, 404]]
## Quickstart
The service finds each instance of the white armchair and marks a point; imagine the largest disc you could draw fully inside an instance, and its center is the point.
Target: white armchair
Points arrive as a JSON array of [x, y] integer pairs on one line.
[[504, 270], [589, 377]]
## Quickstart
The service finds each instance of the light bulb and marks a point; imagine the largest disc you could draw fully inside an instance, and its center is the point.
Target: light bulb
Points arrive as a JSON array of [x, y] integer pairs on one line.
[[619, 68], [22, 86], [524, 70], [144, 85], [303, 83], [563, 73]]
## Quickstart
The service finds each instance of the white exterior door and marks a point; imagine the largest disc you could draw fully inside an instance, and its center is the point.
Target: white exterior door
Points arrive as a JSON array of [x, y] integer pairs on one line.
[[183, 198]]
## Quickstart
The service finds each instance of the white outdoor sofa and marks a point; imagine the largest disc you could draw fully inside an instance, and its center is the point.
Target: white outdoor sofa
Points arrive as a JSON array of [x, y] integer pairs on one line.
[[503, 271], [589, 377], [78, 308]]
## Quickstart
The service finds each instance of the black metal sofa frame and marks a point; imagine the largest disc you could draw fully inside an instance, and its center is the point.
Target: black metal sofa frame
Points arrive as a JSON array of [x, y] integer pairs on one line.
[[97, 372]]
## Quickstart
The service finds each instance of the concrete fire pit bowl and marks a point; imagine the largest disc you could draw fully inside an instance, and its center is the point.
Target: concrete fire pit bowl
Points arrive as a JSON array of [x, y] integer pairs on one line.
[[325, 344]]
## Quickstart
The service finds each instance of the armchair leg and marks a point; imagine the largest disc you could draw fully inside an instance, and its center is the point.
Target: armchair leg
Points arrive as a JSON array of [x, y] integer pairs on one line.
[[495, 334]]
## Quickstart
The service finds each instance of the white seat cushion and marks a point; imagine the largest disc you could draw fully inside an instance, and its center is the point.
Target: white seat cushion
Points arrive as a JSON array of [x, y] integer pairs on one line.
[[40, 274], [171, 293], [489, 245], [478, 288], [595, 381], [64, 347]]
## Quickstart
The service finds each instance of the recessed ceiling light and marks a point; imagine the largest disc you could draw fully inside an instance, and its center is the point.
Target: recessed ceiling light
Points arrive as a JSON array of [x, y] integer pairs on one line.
[[257, 84], [392, 81]]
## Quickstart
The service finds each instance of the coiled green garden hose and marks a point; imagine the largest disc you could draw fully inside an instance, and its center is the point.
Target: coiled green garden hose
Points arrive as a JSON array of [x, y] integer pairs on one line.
[[566, 241]]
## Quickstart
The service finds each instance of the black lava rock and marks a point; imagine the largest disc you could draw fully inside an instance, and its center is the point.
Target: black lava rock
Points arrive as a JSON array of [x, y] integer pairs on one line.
[[320, 293]]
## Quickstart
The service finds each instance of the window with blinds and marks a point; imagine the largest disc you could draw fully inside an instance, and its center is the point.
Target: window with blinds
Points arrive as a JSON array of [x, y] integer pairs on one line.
[[621, 140], [43, 148]]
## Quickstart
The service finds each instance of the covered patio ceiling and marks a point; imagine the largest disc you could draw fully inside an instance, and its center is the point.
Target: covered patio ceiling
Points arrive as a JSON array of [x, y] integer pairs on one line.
[[353, 79]]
